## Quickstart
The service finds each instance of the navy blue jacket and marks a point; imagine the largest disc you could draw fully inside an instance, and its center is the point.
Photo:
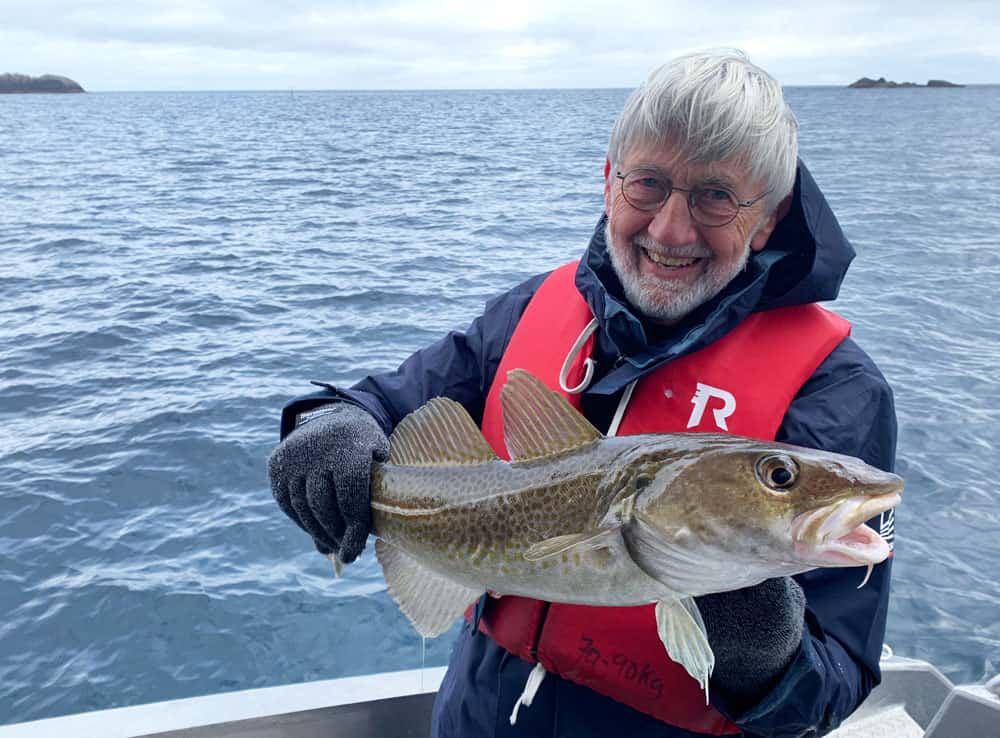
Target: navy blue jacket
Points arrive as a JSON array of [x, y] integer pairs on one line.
[[846, 406]]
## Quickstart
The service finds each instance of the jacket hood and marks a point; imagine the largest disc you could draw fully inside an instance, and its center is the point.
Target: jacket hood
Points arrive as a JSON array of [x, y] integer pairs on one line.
[[805, 261]]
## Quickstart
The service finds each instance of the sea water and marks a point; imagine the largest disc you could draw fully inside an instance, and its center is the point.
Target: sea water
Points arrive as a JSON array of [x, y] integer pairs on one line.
[[176, 266]]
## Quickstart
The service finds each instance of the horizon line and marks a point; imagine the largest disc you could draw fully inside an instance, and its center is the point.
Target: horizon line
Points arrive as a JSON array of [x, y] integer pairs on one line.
[[462, 89]]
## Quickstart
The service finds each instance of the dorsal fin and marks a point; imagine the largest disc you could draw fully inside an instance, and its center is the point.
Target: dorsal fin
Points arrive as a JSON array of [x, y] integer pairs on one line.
[[538, 422], [438, 433]]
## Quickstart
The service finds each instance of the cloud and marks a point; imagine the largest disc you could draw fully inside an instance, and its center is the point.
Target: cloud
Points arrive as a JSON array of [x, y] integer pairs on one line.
[[208, 44]]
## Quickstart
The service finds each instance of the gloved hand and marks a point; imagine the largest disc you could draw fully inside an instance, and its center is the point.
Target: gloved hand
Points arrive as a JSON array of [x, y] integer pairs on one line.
[[321, 478], [754, 633]]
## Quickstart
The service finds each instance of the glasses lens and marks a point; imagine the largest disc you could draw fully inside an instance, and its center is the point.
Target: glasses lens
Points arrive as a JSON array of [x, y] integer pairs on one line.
[[645, 189], [712, 206]]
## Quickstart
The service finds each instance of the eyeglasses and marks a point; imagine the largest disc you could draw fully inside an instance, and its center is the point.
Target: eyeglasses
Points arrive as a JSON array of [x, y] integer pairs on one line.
[[647, 189]]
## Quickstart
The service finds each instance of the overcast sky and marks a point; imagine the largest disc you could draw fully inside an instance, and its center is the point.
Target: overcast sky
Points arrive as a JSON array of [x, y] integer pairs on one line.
[[434, 44]]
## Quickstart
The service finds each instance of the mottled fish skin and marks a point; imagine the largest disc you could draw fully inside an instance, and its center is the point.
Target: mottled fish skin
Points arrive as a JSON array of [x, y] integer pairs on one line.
[[473, 524]]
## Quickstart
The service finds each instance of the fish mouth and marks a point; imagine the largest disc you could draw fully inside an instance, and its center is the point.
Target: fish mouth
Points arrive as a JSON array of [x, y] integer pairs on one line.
[[836, 534]]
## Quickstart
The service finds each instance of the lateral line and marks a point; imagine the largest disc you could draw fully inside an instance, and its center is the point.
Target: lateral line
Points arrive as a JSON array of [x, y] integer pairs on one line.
[[415, 511]]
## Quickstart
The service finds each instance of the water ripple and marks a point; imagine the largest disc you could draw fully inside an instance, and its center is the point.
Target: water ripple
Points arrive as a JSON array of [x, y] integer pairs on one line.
[[176, 266]]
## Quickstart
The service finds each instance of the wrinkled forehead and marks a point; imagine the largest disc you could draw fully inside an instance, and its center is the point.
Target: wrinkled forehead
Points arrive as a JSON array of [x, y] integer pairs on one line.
[[682, 166]]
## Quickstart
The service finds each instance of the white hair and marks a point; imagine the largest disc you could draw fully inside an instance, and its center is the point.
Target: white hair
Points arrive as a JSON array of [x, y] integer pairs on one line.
[[714, 106]]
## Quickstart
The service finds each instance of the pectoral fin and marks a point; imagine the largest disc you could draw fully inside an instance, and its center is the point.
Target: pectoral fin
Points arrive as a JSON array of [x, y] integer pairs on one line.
[[682, 631], [431, 602], [590, 540]]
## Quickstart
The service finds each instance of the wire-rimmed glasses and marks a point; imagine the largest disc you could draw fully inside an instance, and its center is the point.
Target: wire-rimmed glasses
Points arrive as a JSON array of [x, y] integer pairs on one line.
[[647, 189]]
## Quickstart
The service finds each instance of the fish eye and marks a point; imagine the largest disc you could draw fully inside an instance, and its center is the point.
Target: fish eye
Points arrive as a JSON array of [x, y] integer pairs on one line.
[[778, 472]]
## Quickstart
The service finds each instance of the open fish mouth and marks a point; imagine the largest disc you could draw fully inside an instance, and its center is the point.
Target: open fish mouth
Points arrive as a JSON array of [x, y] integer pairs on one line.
[[836, 534]]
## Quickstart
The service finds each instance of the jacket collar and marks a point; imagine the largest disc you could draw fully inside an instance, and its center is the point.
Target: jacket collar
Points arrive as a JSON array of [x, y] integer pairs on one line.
[[805, 261]]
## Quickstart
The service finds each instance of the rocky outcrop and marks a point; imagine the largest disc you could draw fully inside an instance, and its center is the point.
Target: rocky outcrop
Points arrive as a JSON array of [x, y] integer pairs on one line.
[[22, 83], [882, 83]]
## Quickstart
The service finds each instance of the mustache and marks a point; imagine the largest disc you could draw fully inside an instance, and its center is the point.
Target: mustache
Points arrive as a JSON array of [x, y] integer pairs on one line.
[[677, 252]]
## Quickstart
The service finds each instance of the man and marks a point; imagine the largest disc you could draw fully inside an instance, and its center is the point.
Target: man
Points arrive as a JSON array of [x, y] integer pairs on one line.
[[693, 308]]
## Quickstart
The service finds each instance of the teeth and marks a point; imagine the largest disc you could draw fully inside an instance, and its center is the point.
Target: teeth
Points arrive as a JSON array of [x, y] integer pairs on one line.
[[671, 261]]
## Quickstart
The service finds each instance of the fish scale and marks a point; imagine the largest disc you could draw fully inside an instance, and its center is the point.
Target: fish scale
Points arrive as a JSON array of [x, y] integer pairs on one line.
[[496, 508]]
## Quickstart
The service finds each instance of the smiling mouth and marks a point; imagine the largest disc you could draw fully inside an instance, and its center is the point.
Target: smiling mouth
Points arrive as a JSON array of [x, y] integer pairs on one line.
[[670, 262]]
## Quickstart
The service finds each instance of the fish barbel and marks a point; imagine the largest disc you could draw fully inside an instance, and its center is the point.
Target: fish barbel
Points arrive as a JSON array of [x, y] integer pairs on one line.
[[579, 518]]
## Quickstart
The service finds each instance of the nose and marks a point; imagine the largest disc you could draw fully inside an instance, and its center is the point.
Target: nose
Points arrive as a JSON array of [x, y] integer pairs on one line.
[[672, 225]]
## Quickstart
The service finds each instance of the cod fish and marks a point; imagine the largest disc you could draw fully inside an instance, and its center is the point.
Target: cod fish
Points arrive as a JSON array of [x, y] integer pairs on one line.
[[580, 518]]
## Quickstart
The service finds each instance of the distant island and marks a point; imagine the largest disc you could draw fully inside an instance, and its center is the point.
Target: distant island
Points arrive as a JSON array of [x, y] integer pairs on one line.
[[22, 83], [869, 83]]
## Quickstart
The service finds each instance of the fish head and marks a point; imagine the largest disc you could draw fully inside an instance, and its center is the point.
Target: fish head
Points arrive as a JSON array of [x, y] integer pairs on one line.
[[740, 511]]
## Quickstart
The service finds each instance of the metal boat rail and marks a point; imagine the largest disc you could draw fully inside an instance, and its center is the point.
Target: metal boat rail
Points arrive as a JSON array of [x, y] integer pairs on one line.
[[914, 701]]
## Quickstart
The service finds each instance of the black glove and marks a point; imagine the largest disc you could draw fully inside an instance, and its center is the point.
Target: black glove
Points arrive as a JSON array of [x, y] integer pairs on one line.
[[754, 633], [321, 478]]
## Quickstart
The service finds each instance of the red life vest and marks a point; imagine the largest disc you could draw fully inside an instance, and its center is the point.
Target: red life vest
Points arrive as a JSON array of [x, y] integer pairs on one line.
[[741, 384]]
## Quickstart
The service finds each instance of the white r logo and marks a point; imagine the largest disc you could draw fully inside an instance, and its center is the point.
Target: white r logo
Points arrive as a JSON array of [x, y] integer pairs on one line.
[[700, 401]]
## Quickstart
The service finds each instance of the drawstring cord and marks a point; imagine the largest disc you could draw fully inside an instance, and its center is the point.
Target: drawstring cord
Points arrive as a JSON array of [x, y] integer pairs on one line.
[[620, 411], [588, 364], [530, 690], [588, 375]]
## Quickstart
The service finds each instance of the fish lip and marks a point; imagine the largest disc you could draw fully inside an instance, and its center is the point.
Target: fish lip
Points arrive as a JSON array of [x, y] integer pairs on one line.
[[836, 534]]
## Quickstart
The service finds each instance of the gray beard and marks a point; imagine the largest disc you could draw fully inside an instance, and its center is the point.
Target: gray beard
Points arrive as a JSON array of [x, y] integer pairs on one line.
[[667, 306]]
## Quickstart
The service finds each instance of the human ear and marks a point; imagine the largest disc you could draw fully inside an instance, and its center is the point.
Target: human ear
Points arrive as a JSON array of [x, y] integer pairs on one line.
[[764, 231]]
